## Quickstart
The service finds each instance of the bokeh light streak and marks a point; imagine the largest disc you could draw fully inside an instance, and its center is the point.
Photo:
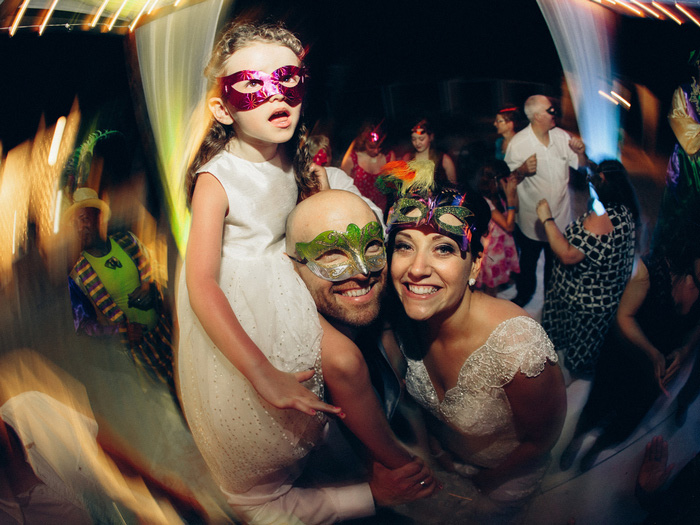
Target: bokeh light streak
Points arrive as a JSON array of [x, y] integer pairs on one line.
[[18, 18], [28, 189], [47, 17], [116, 15], [136, 20], [153, 6], [99, 13], [688, 14], [608, 97], [56, 142], [621, 99], [57, 211], [630, 8], [667, 13], [647, 9], [14, 233]]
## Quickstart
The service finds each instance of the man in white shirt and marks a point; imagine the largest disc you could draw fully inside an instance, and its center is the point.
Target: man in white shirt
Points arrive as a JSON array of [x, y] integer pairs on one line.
[[540, 157]]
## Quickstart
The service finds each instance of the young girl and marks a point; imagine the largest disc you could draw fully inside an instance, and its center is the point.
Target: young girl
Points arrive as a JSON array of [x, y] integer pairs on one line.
[[249, 329], [500, 256], [239, 295]]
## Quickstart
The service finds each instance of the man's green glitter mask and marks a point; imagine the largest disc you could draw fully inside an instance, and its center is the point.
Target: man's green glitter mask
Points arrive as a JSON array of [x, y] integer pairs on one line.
[[337, 256]]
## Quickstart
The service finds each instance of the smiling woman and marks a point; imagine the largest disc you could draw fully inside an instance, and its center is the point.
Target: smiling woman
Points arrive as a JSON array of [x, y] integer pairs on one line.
[[481, 367]]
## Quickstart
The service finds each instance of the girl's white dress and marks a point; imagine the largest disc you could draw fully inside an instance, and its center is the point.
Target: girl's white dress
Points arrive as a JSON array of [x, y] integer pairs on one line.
[[251, 447]]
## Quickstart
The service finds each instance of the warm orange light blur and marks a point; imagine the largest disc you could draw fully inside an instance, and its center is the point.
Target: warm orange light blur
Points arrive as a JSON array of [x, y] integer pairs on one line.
[[630, 8], [153, 6], [136, 20], [648, 10], [99, 13], [667, 13], [116, 15], [56, 141], [18, 17], [48, 16], [688, 14]]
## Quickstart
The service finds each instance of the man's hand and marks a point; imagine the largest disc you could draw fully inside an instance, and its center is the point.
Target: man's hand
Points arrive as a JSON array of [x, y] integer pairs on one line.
[[527, 168], [143, 297], [408, 483], [577, 146]]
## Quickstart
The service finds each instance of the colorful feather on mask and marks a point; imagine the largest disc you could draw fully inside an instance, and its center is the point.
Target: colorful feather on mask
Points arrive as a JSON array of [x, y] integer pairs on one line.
[[400, 176]]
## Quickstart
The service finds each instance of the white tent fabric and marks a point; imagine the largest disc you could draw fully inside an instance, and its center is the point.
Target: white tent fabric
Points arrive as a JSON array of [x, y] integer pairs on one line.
[[583, 34], [172, 53]]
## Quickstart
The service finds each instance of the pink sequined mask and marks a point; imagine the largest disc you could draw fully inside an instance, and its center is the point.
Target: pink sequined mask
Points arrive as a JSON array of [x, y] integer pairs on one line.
[[248, 89]]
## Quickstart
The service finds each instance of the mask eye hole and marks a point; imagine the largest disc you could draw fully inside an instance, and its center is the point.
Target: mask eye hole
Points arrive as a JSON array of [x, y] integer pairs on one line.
[[412, 211], [374, 248], [332, 257], [451, 220]]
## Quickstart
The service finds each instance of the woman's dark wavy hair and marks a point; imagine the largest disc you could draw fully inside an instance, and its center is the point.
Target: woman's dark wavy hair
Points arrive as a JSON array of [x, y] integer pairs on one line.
[[236, 36], [617, 188]]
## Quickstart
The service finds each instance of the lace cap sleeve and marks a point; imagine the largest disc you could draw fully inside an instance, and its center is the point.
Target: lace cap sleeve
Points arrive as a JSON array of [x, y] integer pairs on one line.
[[522, 345]]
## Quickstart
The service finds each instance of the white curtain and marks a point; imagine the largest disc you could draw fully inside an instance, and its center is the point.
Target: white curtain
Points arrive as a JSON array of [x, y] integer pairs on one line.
[[583, 34], [172, 53]]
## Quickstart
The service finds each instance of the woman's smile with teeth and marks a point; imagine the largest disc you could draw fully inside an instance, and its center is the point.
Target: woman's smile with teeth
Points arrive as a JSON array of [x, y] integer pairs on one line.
[[421, 290]]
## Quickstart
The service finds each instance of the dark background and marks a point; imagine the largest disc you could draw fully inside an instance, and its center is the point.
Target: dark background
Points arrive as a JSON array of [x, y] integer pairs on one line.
[[363, 55]]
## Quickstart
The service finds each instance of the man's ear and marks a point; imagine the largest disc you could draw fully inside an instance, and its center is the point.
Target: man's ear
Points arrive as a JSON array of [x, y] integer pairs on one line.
[[220, 111]]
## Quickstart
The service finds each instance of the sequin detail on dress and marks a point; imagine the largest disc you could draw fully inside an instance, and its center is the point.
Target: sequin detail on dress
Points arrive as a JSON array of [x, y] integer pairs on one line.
[[477, 405]]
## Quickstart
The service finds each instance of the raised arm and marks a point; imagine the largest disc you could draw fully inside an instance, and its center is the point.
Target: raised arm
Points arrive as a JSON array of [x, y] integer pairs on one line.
[[539, 408], [209, 303], [632, 299], [347, 163], [566, 253], [347, 381], [507, 220], [449, 166]]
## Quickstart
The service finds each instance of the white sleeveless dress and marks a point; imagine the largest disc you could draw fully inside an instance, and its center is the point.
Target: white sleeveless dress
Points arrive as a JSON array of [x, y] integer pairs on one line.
[[251, 447]]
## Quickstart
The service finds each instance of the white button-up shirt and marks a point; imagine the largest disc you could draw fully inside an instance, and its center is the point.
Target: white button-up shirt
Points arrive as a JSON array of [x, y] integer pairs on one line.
[[550, 181]]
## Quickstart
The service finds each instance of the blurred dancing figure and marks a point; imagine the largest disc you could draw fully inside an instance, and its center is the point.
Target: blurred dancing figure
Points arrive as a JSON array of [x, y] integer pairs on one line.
[[363, 161], [423, 141], [507, 124], [113, 291], [500, 257], [681, 198], [658, 330], [595, 255]]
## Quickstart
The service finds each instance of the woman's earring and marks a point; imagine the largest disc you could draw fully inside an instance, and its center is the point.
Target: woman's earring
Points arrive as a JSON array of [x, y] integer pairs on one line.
[[472, 282]]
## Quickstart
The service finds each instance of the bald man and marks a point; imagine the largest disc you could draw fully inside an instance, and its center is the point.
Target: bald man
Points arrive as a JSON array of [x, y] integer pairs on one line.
[[336, 244], [540, 157]]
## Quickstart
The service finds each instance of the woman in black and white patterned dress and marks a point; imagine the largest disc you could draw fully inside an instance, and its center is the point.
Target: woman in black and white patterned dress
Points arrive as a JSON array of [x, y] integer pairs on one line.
[[595, 255]]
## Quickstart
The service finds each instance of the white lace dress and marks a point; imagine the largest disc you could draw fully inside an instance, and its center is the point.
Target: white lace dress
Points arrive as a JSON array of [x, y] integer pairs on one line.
[[476, 410], [252, 448]]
